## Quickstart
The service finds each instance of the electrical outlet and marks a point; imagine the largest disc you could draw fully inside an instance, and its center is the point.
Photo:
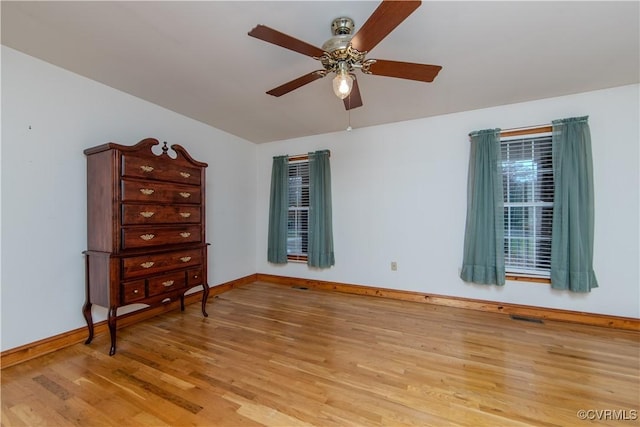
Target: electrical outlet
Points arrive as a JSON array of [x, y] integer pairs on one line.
[[394, 266]]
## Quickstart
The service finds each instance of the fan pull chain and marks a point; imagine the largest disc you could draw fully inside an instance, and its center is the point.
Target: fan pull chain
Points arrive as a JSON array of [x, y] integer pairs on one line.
[[349, 116]]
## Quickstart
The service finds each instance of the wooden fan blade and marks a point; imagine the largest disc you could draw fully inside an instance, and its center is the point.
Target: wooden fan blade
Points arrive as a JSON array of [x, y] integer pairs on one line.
[[405, 70], [276, 37], [381, 22], [354, 100], [295, 84]]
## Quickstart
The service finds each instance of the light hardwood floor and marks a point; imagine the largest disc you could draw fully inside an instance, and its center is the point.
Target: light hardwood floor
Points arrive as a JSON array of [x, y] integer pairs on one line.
[[271, 355]]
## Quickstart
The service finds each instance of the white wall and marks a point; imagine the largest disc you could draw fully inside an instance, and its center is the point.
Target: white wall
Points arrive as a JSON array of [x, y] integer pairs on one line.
[[399, 194], [49, 116]]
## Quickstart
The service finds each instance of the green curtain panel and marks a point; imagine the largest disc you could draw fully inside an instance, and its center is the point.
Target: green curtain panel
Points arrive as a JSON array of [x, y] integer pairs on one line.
[[483, 260], [278, 211], [320, 253], [573, 213]]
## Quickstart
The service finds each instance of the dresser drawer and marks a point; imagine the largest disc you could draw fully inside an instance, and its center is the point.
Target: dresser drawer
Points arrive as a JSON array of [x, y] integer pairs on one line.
[[150, 191], [167, 282], [147, 265], [158, 169], [131, 292], [133, 214], [141, 237], [195, 277]]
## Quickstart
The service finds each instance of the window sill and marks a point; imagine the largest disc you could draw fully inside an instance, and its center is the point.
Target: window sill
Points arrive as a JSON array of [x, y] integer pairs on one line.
[[297, 258], [518, 278]]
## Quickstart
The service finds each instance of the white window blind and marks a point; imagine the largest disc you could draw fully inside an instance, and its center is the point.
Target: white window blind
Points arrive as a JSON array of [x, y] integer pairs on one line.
[[527, 173], [298, 219]]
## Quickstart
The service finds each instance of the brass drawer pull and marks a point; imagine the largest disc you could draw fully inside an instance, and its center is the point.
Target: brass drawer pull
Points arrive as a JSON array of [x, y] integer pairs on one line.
[[185, 174], [147, 264], [147, 214], [185, 214], [147, 191], [146, 168], [185, 259], [167, 283], [195, 276], [185, 234], [135, 291], [147, 237], [185, 195]]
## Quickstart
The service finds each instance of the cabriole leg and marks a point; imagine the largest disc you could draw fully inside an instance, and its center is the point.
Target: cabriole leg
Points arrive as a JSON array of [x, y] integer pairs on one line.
[[112, 329], [86, 308], [205, 296], [86, 312]]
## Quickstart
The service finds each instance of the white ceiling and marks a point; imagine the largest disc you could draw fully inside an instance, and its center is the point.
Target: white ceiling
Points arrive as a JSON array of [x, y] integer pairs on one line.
[[195, 58]]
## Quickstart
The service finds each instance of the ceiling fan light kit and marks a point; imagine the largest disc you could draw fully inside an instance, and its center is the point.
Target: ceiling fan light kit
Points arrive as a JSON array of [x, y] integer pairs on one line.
[[345, 52], [342, 82]]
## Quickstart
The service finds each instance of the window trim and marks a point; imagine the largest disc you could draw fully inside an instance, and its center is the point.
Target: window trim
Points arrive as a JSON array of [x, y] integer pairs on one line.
[[525, 131], [522, 132], [533, 279]]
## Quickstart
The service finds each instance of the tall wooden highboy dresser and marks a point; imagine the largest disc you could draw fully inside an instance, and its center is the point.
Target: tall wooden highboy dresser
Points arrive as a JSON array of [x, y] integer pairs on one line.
[[146, 228]]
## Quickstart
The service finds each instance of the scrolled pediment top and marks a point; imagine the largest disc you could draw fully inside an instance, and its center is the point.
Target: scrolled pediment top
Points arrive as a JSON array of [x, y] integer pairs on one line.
[[147, 144]]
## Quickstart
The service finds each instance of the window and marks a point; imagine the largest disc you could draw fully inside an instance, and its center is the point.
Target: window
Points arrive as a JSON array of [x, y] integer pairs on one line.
[[527, 178], [298, 213], [300, 222]]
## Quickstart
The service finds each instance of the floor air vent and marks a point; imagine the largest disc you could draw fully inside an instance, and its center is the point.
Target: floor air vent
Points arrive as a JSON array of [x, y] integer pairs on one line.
[[302, 288], [526, 319]]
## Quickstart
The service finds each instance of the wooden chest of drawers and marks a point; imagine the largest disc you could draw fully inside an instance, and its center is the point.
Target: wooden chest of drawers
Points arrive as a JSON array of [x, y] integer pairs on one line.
[[146, 228]]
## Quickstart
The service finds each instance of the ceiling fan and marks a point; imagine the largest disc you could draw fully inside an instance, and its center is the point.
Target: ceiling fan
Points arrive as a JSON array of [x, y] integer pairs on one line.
[[345, 52]]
